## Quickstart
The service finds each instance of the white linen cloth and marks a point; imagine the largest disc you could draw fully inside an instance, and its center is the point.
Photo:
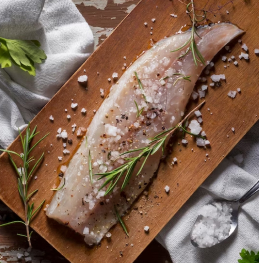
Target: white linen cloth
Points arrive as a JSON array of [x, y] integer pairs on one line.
[[67, 40], [228, 181]]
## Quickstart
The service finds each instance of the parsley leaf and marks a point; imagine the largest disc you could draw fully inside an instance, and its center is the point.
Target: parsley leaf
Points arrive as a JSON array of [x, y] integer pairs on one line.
[[248, 257], [23, 53]]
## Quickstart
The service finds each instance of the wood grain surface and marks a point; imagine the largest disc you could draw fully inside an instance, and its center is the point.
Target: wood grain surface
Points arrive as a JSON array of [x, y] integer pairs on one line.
[[157, 208]]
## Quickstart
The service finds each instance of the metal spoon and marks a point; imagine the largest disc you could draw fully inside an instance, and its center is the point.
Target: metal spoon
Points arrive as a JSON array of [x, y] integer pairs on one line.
[[235, 204]]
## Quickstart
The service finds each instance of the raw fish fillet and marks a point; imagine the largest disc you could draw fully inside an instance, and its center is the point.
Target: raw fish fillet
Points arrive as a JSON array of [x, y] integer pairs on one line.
[[116, 128]]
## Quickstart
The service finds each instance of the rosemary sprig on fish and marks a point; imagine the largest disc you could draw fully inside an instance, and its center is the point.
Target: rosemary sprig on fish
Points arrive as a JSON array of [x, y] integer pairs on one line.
[[191, 42], [126, 170]]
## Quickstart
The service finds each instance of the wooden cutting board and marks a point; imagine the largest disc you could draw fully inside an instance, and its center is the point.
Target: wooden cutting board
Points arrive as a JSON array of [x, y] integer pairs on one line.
[[157, 208]]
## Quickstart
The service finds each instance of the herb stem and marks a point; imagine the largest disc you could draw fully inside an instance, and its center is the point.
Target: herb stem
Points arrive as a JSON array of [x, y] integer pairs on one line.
[[24, 176]]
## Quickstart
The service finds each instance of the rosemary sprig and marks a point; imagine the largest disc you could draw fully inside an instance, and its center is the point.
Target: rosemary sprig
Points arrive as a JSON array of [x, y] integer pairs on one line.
[[121, 221], [140, 86], [182, 76], [188, 78], [139, 111], [126, 169], [61, 187], [24, 175], [191, 43]]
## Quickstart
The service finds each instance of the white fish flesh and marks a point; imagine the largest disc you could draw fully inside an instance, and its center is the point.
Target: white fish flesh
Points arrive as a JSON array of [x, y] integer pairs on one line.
[[116, 128]]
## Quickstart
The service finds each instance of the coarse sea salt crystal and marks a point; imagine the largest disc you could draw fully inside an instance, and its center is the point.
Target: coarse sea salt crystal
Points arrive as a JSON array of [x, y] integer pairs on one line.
[[197, 113], [82, 79], [153, 20], [244, 47], [232, 94], [204, 87], [235, 63], [195, 127], [203, 133], [68, 117], [73, 128], [66, 152], [184, 142], [115, 75], [233, 129], [175, 160], [224, 58], [162, 82], [195, 95], [51, 118], [244, 56], [167, 189], [200, 142], [202, 93], [212, 84], [111, 130], [83, 110], [108, 235], [256, 51], [200, 120], [207, 142], [60, 158], [64, 135], [146, 229], [74, 105], [217, 78], [238, 90], [86, 231], [173, 15], [102, 93], [214, 224], [59, 130]]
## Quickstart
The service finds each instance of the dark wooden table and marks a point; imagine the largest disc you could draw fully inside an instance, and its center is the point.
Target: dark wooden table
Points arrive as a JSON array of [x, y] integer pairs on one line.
[[103, 16]]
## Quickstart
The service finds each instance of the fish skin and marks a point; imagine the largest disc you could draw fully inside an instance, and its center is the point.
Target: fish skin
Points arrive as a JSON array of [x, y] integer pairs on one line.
[[79, 204]]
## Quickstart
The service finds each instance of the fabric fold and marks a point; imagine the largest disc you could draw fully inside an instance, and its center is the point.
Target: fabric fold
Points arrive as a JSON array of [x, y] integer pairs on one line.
[[67, 40]]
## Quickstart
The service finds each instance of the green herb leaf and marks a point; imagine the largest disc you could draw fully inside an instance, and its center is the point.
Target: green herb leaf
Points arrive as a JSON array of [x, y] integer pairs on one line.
[[5, 59], [248, 257], [121, 221], [23, 53], [13, 222]]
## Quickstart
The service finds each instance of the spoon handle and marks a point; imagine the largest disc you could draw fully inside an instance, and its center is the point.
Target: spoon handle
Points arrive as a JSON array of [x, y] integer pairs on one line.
[[249, 193]]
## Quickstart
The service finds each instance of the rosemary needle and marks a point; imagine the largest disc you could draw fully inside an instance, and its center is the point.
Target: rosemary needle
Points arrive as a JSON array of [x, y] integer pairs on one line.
[[139, 111], [121, 221], [61, 187], [140, 86]]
